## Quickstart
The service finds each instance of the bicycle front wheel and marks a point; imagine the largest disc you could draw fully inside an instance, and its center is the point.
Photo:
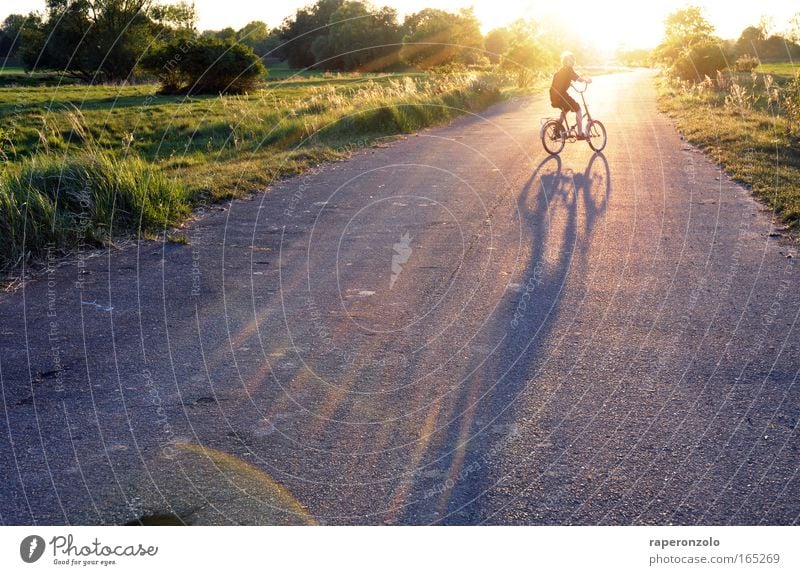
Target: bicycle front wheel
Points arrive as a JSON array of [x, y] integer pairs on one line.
[[553, 137], [597, 135]]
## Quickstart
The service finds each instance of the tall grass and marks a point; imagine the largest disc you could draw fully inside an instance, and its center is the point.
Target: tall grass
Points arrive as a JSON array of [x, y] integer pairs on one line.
[[58, 203], [393, 107]]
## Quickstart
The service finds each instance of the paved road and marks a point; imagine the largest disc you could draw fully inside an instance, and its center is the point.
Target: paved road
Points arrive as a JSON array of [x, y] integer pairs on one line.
[[453, 328]]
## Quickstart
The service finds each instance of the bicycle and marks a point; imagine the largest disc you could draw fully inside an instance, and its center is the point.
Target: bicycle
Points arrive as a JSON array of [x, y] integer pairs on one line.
[[555, 133]]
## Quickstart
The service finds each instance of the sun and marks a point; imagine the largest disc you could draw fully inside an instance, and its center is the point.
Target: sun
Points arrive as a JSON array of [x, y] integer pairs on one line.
[[602, 26]]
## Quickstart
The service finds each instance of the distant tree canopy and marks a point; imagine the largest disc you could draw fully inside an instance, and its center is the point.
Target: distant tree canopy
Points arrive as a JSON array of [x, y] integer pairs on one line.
[[258, 37], [298, 33], [496, 44], [525, 54], [110, 40], [436, 38], [99, 40], [682, 30], [226, 34], [359, 38], [689, 46], [11, 35], [635, 57], [754, 41], [255, 35], [355, 35], [692, 51], [750, 36]]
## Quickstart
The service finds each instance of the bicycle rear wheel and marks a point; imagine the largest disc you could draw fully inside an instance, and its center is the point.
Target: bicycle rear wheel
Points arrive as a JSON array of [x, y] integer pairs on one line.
[[553, 137], [596, 132]]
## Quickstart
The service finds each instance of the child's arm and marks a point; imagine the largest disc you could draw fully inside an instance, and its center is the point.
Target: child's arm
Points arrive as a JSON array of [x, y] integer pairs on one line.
[[578, 78]]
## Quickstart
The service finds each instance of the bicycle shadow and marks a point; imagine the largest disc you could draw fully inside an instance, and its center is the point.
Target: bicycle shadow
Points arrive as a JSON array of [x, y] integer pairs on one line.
[[558, 210]]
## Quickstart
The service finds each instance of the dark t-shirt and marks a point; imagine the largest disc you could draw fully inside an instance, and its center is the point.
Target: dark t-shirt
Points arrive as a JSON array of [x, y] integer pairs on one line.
[[562, 80]]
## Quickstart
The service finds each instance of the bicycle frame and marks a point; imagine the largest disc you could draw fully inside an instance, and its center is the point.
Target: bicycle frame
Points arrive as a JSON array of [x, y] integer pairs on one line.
[[583, 99], [570, 130], [556, 131]]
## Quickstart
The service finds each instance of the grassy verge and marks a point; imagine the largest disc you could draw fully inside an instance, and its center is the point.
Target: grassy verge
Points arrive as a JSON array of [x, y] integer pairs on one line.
[[740, 121], [52, 203], [84, 163]]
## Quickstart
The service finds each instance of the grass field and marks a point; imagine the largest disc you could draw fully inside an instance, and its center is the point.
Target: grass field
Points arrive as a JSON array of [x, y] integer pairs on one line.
[[741, 123], [781, 70], [16, 76], [59, 144], [12, 70]]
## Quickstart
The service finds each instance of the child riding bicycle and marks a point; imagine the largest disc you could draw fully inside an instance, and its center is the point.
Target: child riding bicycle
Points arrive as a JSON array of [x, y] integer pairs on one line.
[[559, 98]]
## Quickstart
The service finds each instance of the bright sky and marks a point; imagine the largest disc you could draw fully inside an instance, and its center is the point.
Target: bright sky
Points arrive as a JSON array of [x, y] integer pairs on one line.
[[609, 23]]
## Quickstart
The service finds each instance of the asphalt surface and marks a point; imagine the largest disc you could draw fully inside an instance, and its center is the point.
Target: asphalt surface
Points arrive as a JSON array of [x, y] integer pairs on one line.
[[451, 328]]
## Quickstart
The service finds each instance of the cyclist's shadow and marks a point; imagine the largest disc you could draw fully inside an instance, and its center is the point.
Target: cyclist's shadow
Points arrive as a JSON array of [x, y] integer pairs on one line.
[[558, 210], [589, 189]]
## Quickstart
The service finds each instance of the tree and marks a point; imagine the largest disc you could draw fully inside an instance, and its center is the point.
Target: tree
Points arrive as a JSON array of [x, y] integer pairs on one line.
[[171, 20], [749, 40], [496, 44], [682, 30], [258, 37], [255, 35], [525, 54], [11, 35], [778, 49], [755, 42], [98, 40], [298, 33], [687, 24], [635, 57], [689, 46], [227, 35], [359, 38], [793, 33], [435, 38]]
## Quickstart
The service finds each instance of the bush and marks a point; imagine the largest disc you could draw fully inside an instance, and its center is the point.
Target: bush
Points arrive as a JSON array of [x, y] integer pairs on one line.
[[205, 65], [701, 60], [747, 63]]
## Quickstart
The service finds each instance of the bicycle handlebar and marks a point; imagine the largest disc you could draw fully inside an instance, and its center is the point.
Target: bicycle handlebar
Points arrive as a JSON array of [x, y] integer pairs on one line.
[[584, 83]]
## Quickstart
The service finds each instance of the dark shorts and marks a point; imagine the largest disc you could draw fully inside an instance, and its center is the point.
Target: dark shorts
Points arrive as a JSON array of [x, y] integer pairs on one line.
[[564, 101]]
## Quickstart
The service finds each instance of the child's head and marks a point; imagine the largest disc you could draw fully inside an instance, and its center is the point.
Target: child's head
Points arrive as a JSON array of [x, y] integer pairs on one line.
[[568, 59]]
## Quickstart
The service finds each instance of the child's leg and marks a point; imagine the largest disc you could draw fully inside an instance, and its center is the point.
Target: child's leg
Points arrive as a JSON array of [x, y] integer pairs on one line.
[[579, 118]]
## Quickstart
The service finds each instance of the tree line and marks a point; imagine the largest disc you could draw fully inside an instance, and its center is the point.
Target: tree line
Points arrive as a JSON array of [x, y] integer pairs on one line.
[[116, 40], [692, 51], [349, 35]]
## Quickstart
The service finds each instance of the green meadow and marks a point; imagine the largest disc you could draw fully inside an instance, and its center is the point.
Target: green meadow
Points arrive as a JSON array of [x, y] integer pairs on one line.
[[90, 163]]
